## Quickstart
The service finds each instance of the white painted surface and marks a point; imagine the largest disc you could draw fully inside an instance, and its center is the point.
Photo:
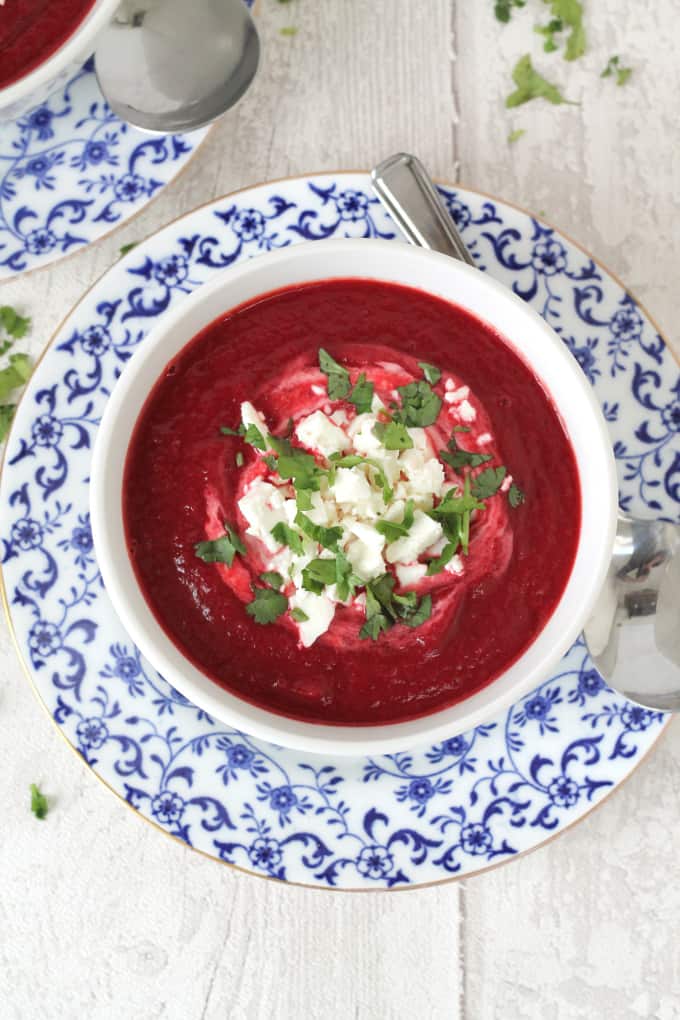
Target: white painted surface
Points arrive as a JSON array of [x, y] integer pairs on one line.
[[103, 917]]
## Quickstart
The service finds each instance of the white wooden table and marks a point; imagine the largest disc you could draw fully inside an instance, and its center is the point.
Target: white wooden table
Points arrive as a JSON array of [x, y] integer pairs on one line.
[[100, 916]]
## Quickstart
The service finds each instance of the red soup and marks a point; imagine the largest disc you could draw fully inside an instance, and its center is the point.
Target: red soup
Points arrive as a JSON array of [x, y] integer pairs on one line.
[[32, 30], [351, 502]]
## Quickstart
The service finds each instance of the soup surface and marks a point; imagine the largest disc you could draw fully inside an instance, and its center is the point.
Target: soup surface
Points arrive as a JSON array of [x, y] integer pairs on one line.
[[351, 502], [32, 30]]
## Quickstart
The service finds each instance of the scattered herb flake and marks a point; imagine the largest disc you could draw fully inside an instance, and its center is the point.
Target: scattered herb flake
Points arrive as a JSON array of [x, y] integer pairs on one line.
[[436, 566], [503, 9], [299, 615], [221, 550], [614, 68], [6, 418], [125, 248], [393, 435], [488, 482], [226, 431], [318, 574], [422, 613], [420, 405], [288, 30], [515, 496], [457, 458], [11, 322], [267, 605], [353, 460], [566, 14], [327, 537], [431, 372], [362, 394], [303, 499], [338, 377], [346, 581], [254, 437], [531, 85], [515, 135], [285, 535], [15, 374], [39, 805], [273, 578], [392, 530]]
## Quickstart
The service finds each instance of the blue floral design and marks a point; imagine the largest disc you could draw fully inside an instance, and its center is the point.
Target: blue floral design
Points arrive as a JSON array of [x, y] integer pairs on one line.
[[467, 802]]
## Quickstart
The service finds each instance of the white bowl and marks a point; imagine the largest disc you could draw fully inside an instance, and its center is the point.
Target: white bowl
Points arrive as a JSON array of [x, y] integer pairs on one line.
[[33, 88], [434, 274]]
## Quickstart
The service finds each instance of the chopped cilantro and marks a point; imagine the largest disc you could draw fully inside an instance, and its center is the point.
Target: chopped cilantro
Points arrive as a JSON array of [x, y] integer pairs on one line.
[[221, 550], [393, 435], [303, 499], [273, 578], [6, 417], [285, 535], [422, 613], [267, 605], [503, 8], [346, 580], [125, 248], [296, 465], [362, 395], [436, 566], [431, 372], [239, 459], [299, 615], [515, 135], [270, 461], [11, 322], [226, 431], [531, 85], [317, 574], [338, 377], [39, 805], [288, 30], [488, 482], [327, 537], [515, 496], [458, 458], [353, 460], [384, 608], [461, 428], [565, 14], [15, 374], [254, 437], [393, 530], [453, 513], [614, 67], [420, 405]]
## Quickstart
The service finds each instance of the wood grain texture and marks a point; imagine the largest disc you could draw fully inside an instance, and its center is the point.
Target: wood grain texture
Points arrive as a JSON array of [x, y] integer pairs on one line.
[[101, 916]]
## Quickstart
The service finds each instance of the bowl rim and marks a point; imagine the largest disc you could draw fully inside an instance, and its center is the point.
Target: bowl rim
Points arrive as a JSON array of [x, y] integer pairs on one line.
[[140, 622], [75, 47]]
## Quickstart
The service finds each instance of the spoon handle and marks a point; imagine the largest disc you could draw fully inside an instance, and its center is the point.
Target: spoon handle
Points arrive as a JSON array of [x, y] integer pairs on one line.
[[403, 185]]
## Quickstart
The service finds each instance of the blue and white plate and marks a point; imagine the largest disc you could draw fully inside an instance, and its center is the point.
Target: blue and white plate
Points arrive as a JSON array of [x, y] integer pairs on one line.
[[424, 816]]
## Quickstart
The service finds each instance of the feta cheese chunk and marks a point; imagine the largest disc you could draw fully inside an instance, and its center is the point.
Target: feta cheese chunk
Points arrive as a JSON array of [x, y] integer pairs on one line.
[[319, 610], [318, 432], [366, 560], [251, 416], [410, 574], [352, 487], [424, 533], [263, 506]]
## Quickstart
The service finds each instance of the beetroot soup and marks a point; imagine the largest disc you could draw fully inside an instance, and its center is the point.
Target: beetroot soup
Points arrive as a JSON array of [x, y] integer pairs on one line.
[[351, 502], [32, 30]]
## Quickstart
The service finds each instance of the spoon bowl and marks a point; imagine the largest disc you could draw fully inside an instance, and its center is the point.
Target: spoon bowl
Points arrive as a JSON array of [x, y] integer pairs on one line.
[[170, 65]]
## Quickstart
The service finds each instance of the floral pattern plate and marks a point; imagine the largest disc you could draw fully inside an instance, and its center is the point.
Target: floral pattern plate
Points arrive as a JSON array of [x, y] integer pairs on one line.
[[71, 171], [423, 816]]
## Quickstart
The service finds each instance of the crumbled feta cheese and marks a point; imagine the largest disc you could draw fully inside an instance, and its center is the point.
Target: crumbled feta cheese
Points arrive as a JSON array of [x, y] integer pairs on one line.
[[339, 417], [251, 416], [466, 411], [424, 533], [368, 535], [317, 432], [455, 565], [456, 396], [352, 486], [410, 573], [449, 384], [484, 438], [318, 391], [506, 483], [320, 612], [263, 506], [366, 560]]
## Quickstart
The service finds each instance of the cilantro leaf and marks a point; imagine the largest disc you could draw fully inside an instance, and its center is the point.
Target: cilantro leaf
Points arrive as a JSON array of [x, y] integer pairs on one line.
[[254, 437], [39, 805], [453, 513], [374, 627], [226, 431], [503, 9], [345, 579], [303, 499], [318, 574], [273, 578], [221, 550], [436, 566], [392, 530], [459, 458], [422, 613], [271, 462], [296, 465], [15, 374], [6, 417], [267, 605], [420, 405], [393, 435], [515, 135], [515, 496], [338, 377], [431, 372], [11, 322], [614, 67], [285, 535], [299, 615], [327, 537], [531, 85], [362, 394], [125, 248], [566, 14], [488, 482]]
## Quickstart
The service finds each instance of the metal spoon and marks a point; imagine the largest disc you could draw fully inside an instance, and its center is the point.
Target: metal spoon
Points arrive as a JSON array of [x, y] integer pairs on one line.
[[175, 65], [633, 634]]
